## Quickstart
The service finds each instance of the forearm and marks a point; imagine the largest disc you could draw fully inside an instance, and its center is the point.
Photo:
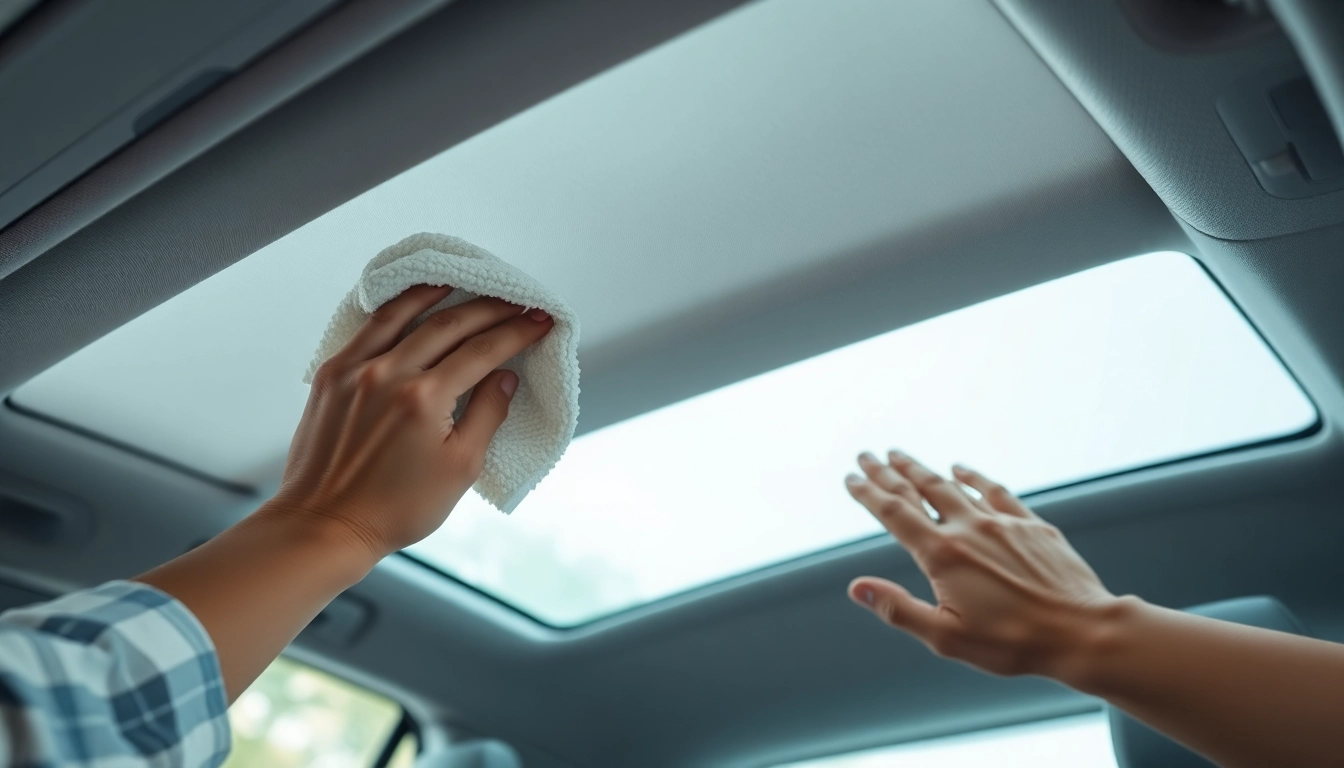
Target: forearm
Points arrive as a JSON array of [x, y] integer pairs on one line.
[[1240, 695], [256, 585]]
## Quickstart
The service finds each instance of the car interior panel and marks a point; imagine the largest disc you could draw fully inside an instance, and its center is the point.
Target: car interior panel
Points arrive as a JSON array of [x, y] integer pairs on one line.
[[737, 198]]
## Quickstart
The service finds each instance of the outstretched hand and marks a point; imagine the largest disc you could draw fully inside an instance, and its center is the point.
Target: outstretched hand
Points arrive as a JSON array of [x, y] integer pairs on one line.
[[1012, 596]]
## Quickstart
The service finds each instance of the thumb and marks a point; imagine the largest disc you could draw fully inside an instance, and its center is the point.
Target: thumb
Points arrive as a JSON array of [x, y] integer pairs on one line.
[[894, 605], [485, 411]]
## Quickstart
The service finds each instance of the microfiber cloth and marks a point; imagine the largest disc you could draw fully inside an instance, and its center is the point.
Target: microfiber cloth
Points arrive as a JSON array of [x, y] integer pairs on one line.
[[545, 407]]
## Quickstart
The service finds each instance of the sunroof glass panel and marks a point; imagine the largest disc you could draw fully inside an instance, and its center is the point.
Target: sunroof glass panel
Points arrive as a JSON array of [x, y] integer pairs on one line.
[[1082, 741], [1126, 365]]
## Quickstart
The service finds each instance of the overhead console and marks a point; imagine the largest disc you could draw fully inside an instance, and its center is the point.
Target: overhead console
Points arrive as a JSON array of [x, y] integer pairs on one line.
[[1210, 101]]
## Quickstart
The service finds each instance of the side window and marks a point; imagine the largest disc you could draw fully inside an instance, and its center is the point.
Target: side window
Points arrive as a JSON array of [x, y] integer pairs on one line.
[[298, 716], [404, 753]]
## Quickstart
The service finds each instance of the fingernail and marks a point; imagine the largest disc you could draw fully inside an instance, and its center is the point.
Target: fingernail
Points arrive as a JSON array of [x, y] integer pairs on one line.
[[509, 383], [868, 596], [867, 456], [853, 479], [539, 315], [960, 468], [896, 455]]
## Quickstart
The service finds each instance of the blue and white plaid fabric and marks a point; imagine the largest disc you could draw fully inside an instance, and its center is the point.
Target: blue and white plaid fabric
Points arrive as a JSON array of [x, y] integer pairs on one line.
[[117, 676]]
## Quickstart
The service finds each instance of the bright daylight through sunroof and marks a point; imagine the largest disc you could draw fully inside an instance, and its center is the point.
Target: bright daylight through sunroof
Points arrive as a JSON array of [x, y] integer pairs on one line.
[[1129, 364], [1071, 742]]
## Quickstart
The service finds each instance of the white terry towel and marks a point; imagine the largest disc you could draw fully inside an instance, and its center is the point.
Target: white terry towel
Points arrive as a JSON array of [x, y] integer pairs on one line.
[[544, 409]]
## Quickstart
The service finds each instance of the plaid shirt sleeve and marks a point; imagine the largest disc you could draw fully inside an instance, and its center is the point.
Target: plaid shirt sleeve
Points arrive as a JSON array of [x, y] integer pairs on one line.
[[117, 676]]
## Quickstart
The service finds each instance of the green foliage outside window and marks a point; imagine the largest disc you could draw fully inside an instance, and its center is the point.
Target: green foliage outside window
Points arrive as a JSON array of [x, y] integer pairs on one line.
[[295, 716]]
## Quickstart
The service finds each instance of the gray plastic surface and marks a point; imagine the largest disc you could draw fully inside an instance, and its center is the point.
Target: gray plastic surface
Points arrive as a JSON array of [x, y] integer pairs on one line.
[[1192, 27], [1316, 28], [11, 11], [1159, 108], [42, 517], [480, 753], [340, 623], [1278, 123], [119, 69], [332, 41]]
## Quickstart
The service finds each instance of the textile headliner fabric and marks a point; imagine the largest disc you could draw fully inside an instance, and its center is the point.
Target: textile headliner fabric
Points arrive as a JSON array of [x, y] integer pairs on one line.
[[545, 408]]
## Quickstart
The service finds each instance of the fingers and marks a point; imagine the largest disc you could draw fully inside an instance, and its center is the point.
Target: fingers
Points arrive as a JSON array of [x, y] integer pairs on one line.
[[889, 479], [895, 606], [942, 495], [443, 331], [485, 411], [486, 351], [384, 327], [905, 520], [995, 496]]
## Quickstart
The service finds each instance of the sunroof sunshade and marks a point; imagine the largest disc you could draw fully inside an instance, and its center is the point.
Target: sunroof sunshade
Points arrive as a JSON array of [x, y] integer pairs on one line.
[[1130, 364]]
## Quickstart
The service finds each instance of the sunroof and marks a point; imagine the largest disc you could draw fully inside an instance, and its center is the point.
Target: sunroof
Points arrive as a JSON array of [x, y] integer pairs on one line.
[[1122, 366]]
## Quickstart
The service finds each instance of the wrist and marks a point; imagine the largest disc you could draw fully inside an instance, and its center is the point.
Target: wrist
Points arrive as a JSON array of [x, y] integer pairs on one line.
[[1096, 636], [348, 548]]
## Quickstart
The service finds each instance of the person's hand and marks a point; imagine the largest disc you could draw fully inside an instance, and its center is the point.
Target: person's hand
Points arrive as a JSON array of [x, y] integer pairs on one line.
[[377, 450], [1012, 596], [377, 464]]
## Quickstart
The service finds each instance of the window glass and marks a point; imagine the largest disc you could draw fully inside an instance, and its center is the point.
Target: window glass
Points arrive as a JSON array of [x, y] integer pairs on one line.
[[405, 753], [1075, 742], [1130, 364], [297, 716]]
